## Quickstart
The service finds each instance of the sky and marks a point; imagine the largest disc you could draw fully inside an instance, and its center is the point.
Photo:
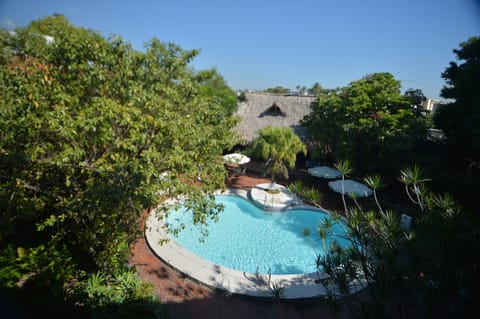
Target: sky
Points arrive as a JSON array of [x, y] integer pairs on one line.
[[259, 44]]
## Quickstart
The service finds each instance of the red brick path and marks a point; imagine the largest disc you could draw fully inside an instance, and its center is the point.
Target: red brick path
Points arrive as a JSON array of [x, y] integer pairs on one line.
[[185, 298]]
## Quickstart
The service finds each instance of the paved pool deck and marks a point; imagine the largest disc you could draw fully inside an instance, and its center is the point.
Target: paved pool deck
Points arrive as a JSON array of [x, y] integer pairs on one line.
[[298, 286]]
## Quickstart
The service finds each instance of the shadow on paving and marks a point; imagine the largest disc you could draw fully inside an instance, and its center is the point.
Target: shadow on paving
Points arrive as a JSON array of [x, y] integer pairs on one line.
[[224, 306]]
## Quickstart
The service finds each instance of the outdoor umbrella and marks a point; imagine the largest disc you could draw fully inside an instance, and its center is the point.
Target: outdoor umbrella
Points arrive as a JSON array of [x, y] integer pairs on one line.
[[236, 158], [350, 187], [324, 172]]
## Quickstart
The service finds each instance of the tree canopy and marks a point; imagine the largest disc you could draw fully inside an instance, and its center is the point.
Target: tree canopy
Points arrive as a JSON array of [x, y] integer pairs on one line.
[[278, 90], [459, 119], [317, 89], [214, 86], [91, 133], [368, 121], [279, 146], [416, 98]]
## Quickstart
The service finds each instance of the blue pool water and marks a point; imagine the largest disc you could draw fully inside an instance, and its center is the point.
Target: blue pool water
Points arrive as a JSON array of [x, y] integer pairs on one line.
[[247, 238]]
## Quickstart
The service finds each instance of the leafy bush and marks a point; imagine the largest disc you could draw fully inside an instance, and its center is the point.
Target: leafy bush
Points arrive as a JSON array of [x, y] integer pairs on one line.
[[123, 295], [308, 194], [14, 266]]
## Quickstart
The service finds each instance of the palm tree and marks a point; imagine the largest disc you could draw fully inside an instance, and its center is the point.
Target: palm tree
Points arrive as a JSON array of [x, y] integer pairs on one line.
[[413, 179], [279, 147], [344, 167], [375, 182]]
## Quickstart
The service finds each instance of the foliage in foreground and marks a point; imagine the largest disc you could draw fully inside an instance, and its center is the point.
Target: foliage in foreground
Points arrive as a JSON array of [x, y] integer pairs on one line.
[[91, 132], [427, 269], [121, 296]]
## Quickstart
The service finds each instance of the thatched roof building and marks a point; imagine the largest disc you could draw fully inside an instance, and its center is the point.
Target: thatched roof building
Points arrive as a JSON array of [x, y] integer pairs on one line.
[[262, 109]]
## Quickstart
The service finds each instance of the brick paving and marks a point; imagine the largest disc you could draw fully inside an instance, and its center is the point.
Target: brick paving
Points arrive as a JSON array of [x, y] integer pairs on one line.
[[187, 299]]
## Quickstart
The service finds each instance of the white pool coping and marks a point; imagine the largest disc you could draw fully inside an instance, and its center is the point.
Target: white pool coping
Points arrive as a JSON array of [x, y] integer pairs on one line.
[[296, 286], [280, 201]]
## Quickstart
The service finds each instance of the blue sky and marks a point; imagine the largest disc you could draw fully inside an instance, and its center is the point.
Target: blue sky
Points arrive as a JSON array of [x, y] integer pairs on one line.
[[258, 44]]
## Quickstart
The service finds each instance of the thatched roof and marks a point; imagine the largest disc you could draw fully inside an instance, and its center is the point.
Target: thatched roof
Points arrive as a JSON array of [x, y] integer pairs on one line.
[[262, 109]]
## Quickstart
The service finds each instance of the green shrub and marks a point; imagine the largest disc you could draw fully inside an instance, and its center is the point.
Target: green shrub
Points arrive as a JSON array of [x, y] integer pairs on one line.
[[308, 194], [13, 266], [124, 295]]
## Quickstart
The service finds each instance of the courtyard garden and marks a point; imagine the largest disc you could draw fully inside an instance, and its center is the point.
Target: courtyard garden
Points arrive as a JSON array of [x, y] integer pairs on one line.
[[94, 135]]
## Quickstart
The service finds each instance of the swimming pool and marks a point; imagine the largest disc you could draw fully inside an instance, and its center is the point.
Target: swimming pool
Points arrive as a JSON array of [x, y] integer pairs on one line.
[[249, 239]]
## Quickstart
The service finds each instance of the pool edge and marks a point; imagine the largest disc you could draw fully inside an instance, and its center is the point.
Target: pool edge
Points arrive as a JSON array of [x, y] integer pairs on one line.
[[298, 286]]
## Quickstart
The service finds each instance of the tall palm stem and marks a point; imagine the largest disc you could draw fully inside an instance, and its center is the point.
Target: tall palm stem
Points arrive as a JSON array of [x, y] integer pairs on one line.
[[343, 166], [343, 195]]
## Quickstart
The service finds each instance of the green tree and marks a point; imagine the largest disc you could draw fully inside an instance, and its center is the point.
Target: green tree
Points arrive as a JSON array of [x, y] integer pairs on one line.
[[416, 99], [369, 121], [215, 87], [459, 119], [316, 89], [301, 89], [279, 147], [89, 128], [278, 90]]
